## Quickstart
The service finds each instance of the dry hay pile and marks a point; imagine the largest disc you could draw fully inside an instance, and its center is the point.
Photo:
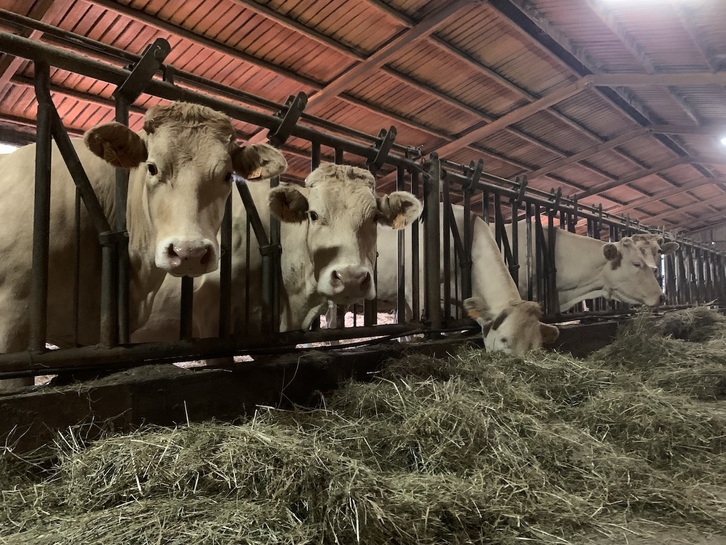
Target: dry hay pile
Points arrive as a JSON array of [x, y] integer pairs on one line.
[[475, 448]]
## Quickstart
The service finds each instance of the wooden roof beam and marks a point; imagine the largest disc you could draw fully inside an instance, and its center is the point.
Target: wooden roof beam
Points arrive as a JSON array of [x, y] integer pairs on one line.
[[589, 152], [721, 201], [362, 70], [668, 80], [705, 130], [44, 11], [601, 188], [514, 116], [660, 195], [686, 19]]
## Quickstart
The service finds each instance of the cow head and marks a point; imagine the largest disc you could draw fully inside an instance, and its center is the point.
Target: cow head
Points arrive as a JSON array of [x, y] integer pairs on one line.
[[181, 168], [632, 267], [340, 211], [515, 330]]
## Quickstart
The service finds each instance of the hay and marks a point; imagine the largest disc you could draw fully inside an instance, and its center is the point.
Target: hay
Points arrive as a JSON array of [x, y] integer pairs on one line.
[[472, 448], [697, 324]]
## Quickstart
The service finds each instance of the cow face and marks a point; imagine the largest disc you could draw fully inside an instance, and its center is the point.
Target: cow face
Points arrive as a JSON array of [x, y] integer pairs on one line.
[[339, 211], [515, 330], [631, 272], [181, 168]]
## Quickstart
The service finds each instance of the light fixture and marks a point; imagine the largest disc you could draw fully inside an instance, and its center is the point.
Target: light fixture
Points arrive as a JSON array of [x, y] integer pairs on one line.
[[723, 140]]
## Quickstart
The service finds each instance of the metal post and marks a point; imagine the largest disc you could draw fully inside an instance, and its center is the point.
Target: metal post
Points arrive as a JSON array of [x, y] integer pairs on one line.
[[122, 185], [41, 211], [415, 256], [186, 321], [432, 231], [225, 272], [401, 288]]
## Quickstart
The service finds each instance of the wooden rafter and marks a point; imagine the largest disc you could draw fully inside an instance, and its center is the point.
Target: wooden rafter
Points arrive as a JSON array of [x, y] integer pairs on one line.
[[660, 195], [362, 70], [600, 188], [721, 201]]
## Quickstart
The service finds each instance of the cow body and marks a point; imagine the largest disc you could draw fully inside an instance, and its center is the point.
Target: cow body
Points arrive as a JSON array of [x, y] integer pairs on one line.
[[508, 323], [328, 237], [180, 168], [588, 268]]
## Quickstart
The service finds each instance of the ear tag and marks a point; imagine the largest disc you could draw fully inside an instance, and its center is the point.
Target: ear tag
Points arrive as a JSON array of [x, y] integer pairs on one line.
[[256, 174], [399, 222], [473, 314]]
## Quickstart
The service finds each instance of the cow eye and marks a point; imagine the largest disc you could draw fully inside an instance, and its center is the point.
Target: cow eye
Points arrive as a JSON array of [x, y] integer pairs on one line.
[[504, 340], [636, 265], [151, 167], [228, 178], [313, 216]]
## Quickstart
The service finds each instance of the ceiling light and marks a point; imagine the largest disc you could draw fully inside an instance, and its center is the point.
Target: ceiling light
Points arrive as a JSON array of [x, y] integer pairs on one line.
[[723, 140]]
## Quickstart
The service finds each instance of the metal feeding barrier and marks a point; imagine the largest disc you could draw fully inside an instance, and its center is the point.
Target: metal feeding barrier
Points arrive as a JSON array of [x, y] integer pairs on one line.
[[695, 275]]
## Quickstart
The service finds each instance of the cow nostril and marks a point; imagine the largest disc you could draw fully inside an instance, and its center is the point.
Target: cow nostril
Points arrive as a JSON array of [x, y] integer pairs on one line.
[[206, 257], [170, 251], [366, 280]]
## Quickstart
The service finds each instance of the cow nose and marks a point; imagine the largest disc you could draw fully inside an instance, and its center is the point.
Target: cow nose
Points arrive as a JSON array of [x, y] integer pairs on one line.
[[351, 282], [191, 257]]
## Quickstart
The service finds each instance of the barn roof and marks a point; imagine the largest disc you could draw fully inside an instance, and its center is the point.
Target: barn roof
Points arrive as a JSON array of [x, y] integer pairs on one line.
[[615, 102]]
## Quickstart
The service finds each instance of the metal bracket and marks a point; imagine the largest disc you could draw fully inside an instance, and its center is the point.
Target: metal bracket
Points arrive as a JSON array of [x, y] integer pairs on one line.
[[556, 197], [110, 238], [294, 107], [522, 181], [473, 174], [383, 148], [143, 70]]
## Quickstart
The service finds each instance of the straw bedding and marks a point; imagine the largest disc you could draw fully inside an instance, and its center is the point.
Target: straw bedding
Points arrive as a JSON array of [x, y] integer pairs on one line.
[[474, 448]]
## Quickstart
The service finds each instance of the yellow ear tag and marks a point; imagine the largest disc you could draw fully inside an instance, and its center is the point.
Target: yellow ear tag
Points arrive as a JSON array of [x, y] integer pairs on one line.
[[473, 314], [399, 222], [257, 173], [109, 155]]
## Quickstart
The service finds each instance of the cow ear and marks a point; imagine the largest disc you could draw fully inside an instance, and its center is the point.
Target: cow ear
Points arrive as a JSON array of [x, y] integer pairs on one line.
[[610, 251], [288, 203], [475, 307], [669, 247], [549, 333], [257, 161], [116, 144], [398, 209]]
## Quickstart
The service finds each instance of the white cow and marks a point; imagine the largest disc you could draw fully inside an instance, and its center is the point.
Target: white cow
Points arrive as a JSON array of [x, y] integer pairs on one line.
[[508, 323], [328, 236], [180, 170], [588, 268]]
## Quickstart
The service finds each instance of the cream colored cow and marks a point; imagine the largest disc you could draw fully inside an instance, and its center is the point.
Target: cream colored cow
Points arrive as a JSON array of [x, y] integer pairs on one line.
[[588, 268], [508, 323], [180, 168], [328, 237]]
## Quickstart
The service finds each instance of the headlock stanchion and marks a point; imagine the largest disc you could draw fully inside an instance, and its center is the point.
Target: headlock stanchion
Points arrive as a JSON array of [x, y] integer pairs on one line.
[[695, 275]]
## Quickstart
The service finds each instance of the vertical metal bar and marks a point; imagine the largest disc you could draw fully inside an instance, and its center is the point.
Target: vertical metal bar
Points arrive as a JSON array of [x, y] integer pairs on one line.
[[552, 301], [466, 260], [41, 211], [539, 254], [109, 295], [370, 308], [186, 319], [530, 268], [514, 266], [498, 224], [432, 231], [122, 248], [272, 266], [77, 267], [415, 256], [225, 272], [401, 289], [315, 157], [446, 251]]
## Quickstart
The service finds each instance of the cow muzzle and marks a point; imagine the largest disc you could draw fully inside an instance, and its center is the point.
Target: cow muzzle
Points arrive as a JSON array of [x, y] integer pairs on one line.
[[186, 257], [350, 284]]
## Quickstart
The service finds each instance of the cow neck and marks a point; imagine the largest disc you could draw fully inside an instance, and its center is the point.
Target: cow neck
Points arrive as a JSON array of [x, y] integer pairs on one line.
[[580, 267], [490, 278], [145, 278], [301, 301]]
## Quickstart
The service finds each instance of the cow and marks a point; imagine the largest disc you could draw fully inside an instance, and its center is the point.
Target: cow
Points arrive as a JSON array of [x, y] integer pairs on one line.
[[508, 323], [180, 171], [328, 237], [587, 267]]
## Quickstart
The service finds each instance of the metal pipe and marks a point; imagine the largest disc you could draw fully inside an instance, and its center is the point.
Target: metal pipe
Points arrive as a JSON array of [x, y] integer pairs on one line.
[[225, 271], [186, 308], [415, 256], [122, 185], [41, 211], [446, 249], [401, 253], [432, 231]]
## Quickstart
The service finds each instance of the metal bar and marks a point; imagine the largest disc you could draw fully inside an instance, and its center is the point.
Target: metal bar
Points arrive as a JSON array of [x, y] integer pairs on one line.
[[445, 235], [186, 308], [122, 184], [225, 272], [41, 211], [466, 258], [415, 256], [514, 265], [76, 267], [401, 284], [432, 230]]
